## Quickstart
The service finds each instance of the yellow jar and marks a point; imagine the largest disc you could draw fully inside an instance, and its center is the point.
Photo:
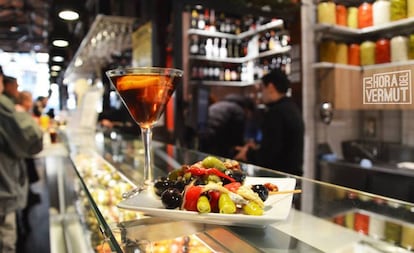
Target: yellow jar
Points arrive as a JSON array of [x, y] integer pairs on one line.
[[398, 9], [327, 51], [341, 53], [407, 236], [367, 53], [327, 13], [411, 46], [410, 8], [352, 17]]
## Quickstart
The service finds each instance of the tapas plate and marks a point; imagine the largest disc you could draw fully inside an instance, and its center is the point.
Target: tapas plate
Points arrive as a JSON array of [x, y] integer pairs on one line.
[[277, 207]]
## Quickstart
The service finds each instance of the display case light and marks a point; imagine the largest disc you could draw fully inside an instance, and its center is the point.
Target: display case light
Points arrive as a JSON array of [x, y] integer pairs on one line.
[[58, 58], [56, 68]]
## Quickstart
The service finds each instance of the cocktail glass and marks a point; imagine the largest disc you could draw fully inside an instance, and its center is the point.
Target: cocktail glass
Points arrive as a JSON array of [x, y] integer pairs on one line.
[[145, 91]]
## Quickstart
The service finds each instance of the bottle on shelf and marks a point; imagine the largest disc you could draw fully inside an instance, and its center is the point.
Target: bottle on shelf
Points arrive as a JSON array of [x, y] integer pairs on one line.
[[223, 48], [398, 9], [382, 51], [352, 17], [354, 54], [399, 48], [367, 54], [381, 12], [365, 15], [326, 12], [194, 19], [341, 15], [194, 45]]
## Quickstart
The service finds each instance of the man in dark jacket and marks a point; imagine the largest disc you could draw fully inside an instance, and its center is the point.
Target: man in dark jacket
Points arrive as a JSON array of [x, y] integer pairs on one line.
[[20, 137], [282, 128], [226, 125]]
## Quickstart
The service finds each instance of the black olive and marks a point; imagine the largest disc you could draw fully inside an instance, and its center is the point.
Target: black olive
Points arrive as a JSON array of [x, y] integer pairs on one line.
[[171, 198], [180, 185], [261, 190], [238, 175], [161, 185]]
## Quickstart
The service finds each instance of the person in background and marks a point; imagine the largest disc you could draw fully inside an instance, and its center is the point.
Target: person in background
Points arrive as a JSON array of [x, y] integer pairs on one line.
[[20, 137], [40, 105], [11, 88], [25, 99], [226, 125], [282, 129]]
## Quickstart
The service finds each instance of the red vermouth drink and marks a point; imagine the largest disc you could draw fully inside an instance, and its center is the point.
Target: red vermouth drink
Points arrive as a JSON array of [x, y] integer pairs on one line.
[[145, 91]]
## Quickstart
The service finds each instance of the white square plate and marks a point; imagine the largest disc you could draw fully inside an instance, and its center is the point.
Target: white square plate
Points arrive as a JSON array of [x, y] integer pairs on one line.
[[277, 207]]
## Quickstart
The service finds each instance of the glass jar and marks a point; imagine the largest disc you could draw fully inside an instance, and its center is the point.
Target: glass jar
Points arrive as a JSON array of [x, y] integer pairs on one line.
[[327, 51], [382, 51], [327, 13], [352, 17], [399, 48], [365, 15], [411, 47], [380, 12], [398, 9], [367, 53], [354, 55], [410, 8], [341, 53], [341, 15]]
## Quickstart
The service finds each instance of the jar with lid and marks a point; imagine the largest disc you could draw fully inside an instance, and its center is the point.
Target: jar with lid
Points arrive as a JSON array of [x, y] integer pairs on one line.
[[352, 17], [365, 15], [327, 12], [367, 53], [381, 12], [399, 48], [382, 51], [398, 9], [410, 8]]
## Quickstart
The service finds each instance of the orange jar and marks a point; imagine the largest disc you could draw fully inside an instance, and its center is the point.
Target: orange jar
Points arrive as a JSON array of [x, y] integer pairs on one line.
[[382, 51], [341, 15], [353, 55], [365, 15]]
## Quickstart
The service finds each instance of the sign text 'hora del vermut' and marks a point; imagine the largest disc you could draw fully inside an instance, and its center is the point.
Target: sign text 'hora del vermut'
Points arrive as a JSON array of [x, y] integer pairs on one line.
[[387, 88]]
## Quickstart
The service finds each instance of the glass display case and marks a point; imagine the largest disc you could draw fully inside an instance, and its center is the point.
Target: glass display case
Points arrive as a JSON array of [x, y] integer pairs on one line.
[[323, 217]]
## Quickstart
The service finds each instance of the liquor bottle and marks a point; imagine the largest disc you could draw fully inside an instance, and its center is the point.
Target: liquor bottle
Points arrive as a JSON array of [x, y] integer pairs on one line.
[[223, 48], [213, 20], [230, 48], [201, 24], [216, 49], [194, 45], [262, 43], [194, 19], [236, 49], [207, 19], [202, 48]]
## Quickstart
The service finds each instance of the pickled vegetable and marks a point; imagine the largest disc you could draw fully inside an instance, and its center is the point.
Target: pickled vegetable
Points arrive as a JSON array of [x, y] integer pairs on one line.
[[327, 51], [326, 13], [191, 195], [367, 53], [382, 51], [203, 205], [399, 49], [352, 17], [341, 15], [353, 55], [341, 53], [410, 8], [213, 162], [381, 12], [252, 208], [365, 15], [398, 9], [411, 47], [261, 190], [226, 205], [171, 198]]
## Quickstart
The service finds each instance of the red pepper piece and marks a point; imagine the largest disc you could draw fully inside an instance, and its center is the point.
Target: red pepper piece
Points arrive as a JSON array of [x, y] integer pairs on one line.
[[214, 198], [197, 171], [214, 171], [233, 187], [191, 195]]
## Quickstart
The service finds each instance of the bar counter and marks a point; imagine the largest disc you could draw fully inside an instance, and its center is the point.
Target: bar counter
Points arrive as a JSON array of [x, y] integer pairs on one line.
[[323, 218]]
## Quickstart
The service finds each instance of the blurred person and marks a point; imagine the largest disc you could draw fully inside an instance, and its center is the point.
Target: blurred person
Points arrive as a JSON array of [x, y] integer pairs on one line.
[[25, 100], [40, 105], [226, 125], [11, 88], [20, 137], [282, 129]]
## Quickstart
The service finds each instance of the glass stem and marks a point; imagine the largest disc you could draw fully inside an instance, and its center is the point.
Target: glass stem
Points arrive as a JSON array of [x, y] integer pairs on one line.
[[147, 140]]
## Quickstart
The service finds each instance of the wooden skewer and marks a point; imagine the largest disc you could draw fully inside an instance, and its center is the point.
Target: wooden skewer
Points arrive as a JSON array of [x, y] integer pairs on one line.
[[285, 192]]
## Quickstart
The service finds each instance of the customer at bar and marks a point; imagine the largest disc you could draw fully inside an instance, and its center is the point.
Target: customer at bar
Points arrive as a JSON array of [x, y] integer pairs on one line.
[[226, 125], [282, 129], [20, 137]]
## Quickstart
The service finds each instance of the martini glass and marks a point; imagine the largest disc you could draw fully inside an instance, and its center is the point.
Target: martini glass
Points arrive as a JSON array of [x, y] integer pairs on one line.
[[145, 91]]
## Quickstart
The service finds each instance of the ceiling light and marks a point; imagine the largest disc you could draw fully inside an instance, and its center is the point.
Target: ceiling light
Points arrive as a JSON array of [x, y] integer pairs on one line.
[[56, 68], [69, 15], [60, 43], [14, 29], [78, 62], [58, 58], [54, 73]]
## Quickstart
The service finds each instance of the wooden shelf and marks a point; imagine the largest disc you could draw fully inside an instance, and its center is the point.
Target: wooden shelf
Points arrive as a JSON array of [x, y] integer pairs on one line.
[[271, 25], [241, 60]]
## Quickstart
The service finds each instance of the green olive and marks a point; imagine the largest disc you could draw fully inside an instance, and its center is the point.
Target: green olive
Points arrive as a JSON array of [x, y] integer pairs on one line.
[[213, 162], [252, 208], [226, 205]]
